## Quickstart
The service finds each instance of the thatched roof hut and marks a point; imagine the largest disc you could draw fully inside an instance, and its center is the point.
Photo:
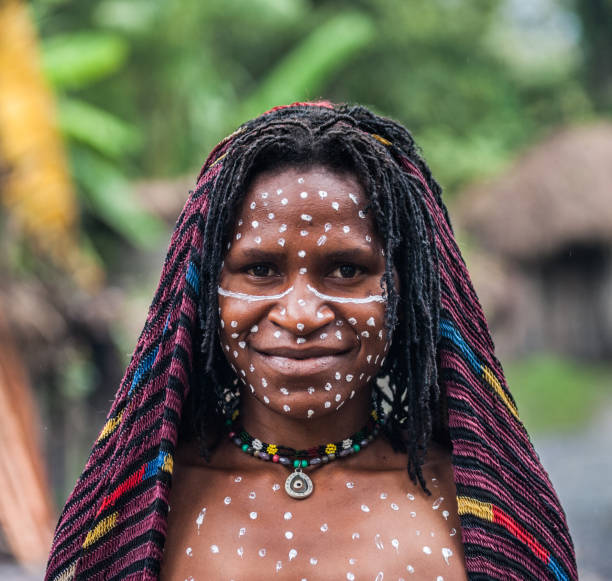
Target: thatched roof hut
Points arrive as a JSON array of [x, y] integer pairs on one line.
[[559, 193], [549, 219]]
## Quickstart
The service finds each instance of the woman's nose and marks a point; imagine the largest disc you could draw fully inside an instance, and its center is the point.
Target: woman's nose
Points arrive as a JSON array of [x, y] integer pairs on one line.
[[301, 312]]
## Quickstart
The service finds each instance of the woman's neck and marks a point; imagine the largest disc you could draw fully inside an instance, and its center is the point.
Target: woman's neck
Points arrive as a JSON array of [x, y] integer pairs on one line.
[[297, 432]]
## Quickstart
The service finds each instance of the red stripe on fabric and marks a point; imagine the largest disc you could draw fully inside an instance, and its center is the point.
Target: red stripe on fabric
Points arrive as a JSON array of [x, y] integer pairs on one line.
[[520, 533], [325, 104], [126, 485]]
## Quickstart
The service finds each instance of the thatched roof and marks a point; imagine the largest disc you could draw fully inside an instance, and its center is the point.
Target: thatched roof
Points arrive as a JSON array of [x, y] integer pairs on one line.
[[559, 193]]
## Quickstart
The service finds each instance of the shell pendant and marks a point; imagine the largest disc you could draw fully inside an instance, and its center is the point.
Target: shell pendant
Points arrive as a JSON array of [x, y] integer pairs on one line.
[[298, 485]]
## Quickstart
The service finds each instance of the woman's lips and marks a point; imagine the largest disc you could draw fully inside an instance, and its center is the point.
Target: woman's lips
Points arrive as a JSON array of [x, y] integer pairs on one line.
[[300, 362]]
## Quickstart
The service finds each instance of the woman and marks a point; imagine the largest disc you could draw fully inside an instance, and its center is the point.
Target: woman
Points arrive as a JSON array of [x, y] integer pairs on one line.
[[318, 374]]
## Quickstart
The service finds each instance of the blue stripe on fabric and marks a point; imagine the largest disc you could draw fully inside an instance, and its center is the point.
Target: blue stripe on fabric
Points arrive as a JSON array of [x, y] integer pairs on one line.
[[144, 366], [557, 569], [193, 277], [448, 330], [154, 465]]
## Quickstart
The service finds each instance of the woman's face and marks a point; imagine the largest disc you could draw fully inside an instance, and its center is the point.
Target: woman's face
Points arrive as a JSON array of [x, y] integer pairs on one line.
[[300, 297]]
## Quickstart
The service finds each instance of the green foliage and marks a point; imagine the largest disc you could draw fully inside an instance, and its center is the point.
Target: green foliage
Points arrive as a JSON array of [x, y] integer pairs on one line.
[[303, 72], [109, 195], [555, 394], [151, 85], [75, 60], [101, 130]]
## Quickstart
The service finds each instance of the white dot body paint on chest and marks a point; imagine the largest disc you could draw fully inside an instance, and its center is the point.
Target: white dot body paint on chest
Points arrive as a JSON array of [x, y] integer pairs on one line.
[[200, 519]]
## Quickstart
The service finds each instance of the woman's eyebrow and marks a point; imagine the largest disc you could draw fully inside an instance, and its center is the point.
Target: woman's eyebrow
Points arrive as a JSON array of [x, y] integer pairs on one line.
[[261, 254], [350, 254]]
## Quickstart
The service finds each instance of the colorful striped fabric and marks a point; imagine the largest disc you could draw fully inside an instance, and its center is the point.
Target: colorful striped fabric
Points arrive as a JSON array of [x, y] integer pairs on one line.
[[113, 525]]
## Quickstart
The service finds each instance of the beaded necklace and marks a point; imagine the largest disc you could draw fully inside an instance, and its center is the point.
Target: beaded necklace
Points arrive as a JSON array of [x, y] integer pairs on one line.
[[298, 484]]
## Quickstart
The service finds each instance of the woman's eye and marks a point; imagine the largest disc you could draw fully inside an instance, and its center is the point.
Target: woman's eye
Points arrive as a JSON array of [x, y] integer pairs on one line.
[[345, 271], [260, 270]]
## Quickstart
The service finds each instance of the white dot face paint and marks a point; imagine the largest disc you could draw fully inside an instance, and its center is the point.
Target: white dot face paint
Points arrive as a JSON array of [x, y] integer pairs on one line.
[[324, 528], [297, 235], [253, 515], [365, 508], [214, 549]]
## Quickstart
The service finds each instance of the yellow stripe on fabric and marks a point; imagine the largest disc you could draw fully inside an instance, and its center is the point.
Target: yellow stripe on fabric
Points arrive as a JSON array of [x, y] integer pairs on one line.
[[467, 505], [494, 383], [214, 163], [67, 574], [168, 464], [381, 139], [103, 527], [110, 426]]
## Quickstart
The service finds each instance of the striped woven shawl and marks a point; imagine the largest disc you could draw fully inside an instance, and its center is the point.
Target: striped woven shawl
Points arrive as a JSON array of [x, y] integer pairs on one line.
[[113, 525]]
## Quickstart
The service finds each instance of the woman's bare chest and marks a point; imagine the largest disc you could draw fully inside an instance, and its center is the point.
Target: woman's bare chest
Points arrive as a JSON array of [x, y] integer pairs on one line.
[[243, 526]]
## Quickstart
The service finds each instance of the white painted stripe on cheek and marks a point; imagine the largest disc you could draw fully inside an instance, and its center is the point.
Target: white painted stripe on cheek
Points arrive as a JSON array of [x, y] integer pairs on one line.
[[370, 299], [252, 298]]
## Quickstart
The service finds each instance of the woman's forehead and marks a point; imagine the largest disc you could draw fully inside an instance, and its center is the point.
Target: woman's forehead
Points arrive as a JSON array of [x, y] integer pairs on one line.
[[310, 197]]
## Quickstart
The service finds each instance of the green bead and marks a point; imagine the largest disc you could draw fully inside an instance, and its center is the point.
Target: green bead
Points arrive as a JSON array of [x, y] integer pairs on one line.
[[245, 447], [356, 447], [296, 463], [304, 463]]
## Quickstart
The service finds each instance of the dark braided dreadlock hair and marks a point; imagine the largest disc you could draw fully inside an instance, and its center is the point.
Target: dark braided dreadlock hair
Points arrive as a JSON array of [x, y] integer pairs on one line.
[[343, 139]]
